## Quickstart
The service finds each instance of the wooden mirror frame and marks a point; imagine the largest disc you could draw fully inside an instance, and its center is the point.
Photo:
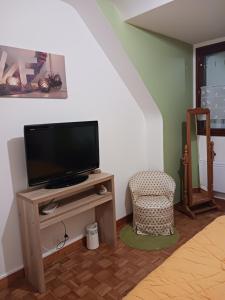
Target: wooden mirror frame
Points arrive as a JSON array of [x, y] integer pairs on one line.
[[197, 200]]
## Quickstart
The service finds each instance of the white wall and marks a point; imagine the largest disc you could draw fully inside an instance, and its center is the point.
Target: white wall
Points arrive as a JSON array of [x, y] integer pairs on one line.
[[219, 142], [96, 92], [104, 34]]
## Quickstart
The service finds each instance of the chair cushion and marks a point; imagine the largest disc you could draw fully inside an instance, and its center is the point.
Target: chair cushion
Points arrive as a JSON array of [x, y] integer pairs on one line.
[[153, 202]]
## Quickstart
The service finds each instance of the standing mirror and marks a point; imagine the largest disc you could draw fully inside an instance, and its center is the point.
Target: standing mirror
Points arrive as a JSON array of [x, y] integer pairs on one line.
[[197, 198]]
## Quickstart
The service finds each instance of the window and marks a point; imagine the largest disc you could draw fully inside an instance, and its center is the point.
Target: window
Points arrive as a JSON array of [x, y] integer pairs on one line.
[[210, 85]]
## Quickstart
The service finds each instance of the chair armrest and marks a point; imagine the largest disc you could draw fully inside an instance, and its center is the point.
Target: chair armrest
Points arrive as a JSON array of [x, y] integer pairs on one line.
[[135, 195]]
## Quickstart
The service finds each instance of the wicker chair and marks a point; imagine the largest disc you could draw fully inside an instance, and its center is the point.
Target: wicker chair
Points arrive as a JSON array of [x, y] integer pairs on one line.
[[152, 195]]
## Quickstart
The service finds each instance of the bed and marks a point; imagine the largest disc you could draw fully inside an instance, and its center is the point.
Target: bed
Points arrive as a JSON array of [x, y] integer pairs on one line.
[[195, 271]]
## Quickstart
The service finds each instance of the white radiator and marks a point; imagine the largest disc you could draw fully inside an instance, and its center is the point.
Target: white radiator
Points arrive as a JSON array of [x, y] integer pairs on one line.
[[218, 176]]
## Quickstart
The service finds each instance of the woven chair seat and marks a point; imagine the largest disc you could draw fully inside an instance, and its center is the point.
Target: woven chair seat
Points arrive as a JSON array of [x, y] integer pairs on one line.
[[152, 194]]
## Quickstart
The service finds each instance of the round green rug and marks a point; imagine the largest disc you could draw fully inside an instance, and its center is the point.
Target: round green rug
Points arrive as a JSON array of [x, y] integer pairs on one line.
[[147, 242]]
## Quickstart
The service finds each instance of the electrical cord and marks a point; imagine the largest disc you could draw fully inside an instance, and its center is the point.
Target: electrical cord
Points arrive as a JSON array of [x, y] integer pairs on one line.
[[62, 243]]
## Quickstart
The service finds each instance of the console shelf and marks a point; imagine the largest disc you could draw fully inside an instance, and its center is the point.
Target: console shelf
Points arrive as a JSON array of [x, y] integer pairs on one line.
[[72, 201], [74, 208]]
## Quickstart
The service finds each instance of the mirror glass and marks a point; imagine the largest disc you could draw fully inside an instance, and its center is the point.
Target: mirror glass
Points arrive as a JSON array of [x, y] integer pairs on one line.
[[194, 153], [199, 155], [202, 157]]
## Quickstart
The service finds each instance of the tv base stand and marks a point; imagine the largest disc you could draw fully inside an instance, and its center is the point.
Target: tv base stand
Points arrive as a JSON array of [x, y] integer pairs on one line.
[[72, 201]]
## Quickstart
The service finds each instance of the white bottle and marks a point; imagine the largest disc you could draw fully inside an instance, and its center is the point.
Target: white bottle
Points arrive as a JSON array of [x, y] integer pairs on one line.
[[92, 236]]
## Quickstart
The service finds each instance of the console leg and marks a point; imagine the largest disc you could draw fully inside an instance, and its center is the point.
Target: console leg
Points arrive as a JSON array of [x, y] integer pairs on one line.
[[105, 216], [31, 243]]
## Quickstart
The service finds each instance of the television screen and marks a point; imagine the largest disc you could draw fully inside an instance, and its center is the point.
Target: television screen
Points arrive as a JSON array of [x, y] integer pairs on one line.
[[61, 150]]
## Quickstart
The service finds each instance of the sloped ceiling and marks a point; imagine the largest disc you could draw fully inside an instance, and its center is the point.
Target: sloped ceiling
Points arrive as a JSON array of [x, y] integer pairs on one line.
[[191, 21]]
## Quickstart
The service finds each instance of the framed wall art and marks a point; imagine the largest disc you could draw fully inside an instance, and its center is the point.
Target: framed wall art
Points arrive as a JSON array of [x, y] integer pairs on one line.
[[31, 74]]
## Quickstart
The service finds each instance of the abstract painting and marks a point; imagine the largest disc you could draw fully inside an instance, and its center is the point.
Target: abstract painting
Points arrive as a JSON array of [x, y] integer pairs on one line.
[[31, 74]]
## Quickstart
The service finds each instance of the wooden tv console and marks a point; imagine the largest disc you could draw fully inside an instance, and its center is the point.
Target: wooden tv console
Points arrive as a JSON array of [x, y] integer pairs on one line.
[[72, 201]]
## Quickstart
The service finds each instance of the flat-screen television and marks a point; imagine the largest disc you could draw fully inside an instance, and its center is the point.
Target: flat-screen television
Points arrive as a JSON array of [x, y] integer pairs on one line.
[[61, 154]]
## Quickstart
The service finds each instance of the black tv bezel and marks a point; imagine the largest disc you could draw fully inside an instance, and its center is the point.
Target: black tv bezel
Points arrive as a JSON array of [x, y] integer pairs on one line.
[[68, 174]]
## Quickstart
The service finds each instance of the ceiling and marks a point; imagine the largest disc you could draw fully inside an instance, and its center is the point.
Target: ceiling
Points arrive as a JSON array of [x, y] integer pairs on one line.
[[191, 21]]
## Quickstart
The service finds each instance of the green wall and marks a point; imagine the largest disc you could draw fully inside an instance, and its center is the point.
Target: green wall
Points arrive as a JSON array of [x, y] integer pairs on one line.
[[165, 66]]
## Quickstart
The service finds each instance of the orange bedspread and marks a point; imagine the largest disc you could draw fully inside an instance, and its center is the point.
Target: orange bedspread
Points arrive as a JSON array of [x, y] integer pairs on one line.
[[195, 271]]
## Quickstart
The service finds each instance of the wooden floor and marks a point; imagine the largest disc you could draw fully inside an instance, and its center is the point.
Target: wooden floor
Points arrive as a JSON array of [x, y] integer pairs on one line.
[[104, 273]]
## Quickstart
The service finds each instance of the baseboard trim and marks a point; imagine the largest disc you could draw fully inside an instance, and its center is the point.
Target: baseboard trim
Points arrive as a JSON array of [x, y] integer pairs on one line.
[[9, 280], [121, 222]]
